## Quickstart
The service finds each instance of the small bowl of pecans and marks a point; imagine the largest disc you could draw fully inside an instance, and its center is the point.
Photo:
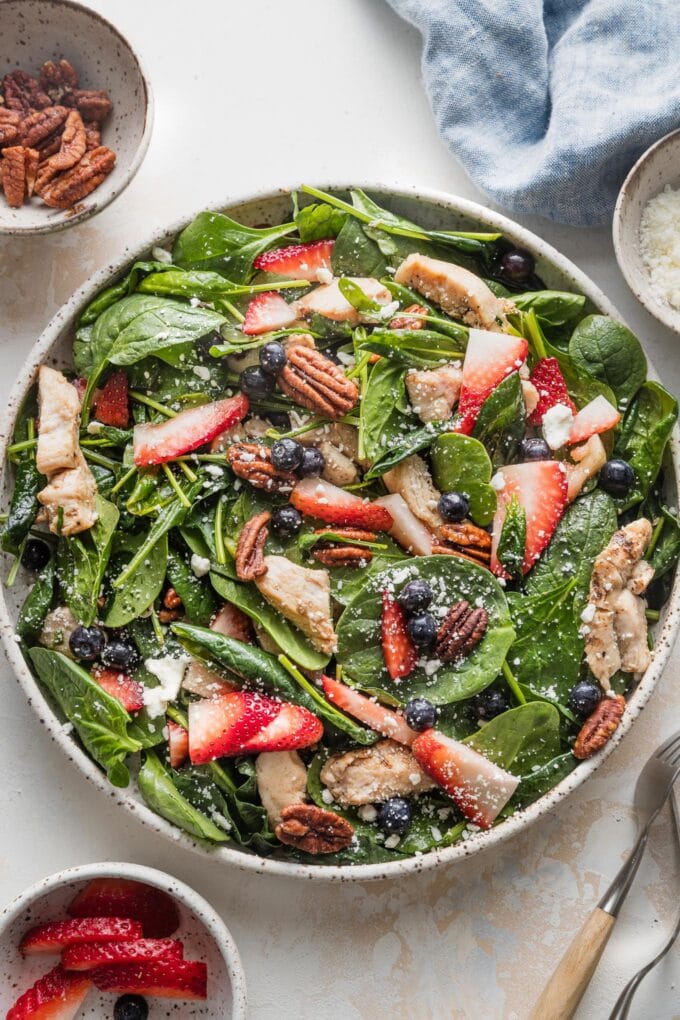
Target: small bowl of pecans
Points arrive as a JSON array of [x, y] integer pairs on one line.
[[76, 113]]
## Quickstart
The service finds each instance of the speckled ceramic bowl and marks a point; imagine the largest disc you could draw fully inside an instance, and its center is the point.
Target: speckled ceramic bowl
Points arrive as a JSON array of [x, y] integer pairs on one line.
[[204, 934], [657, 167], [431, 208], [33, 31]]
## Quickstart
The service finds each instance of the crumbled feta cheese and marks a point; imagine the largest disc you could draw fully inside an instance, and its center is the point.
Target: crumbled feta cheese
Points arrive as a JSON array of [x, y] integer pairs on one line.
[[367, 813], [202, 371], [498, 481], [327, 796], [557, 422], [660, 243], [324, 275], [387, 311], [588, 614], [392, 841], [161, 254], [170, 673], [94, 428], [200, 565], [214, 470]]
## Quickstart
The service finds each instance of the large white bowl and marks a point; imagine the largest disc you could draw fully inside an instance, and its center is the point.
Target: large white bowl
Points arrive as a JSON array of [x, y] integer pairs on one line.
[[429, 208]]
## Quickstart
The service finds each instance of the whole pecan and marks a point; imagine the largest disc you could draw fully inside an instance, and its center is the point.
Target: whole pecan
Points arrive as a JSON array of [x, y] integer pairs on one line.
[[23, 93], [313, 381], [460, 631], [409, 318], [250, 549], [253, 462], [57, 80], [92, 104], [72, 146], [599, 726], [14, 175], [313, 830], [466, 540], [80, 180], [340, 552], [41, 125]]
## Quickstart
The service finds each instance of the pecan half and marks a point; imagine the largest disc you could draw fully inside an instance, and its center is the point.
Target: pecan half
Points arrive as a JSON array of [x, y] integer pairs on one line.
[[14, 175], [313, 381], [460, 631], [31, 162], [92, 104], [93, 135], [599, 726], [80, 180], [253, 462], [250, 549], [72, 146], [171, 600], [23, 93], [466, 540], [10, 121], [341, 552], [409, 318], [41, 125], [313, 830], [57, 80]]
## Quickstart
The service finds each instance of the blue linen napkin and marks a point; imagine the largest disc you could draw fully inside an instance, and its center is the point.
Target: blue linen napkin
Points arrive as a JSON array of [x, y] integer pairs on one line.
[[548, 103]]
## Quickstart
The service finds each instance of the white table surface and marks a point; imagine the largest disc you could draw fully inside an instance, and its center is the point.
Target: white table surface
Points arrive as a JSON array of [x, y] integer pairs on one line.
[[250, 95]]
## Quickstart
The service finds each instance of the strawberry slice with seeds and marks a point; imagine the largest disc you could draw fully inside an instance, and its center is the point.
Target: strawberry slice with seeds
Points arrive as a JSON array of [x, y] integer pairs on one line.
[[152, 908], [541, 489], [112, 403], [489, 359], [178, 744], [167, 440], [104, 954], [398, 650], [301, 261], [368, 711], [293, 728], [123, 688], [480, 789], [224, 725], [597, 416], [56, 935], [55, 996], [168, 979], [317, 498], [267, 312], [552, 389]]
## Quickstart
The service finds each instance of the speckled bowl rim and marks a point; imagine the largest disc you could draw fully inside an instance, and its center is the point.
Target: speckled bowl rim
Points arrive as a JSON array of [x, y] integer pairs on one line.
[[66, 221], [241, 858], [160, 880]]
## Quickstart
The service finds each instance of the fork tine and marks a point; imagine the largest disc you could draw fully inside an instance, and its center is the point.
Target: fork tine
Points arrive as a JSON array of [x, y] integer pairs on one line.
[[666, 749]]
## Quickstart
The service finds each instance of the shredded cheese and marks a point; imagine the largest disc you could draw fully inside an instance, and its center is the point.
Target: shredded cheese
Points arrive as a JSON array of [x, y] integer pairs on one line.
[[660, 243]]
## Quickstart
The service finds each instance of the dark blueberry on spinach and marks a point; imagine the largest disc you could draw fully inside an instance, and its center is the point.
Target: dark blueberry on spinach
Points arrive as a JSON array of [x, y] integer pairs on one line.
[[517, 265], [617, 477], [87, 643], [312, 464], [36, 554], [584, 698], [415, 596], [272, 357], [286, 522], [130, 1007], [491, 702], [534, 449], [453, 506], [421, 714], [279, 420], [287, 454], [256, 383], [120, 654], [394, 815], [422, 629]]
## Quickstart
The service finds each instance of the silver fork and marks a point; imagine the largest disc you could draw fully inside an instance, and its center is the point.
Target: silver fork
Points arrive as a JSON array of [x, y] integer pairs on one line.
[[623, 1003], [569, 981]]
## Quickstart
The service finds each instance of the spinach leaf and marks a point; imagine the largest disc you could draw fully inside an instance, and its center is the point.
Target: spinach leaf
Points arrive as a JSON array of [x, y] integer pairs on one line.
[[402, 443], [100, 720], [196, 594], [82, 562], [461, 464], [28, 481], [116, 291], [415, 348], [513, 538], [36, 605], [608, 351], [666, 549], [501, 420], [143, 585], [214, 241], [557, 310], [319, 221], [522, 739], [211, 790], [382, 407], [160, 793], [643, 435], [537, 782], [355, 254]]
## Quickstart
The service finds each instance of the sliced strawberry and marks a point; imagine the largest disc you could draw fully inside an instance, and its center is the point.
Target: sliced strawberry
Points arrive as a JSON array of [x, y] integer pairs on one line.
[[327, 502], [267, 312], [81, 386], [480, 788], [232, 622], [178, 744], [552, 389], [56, 935], [168, 979], [301, 261], [155, 911], [224, 725], [406, 529], [368, 711], [129, 692], [55, 996], [541, 489], [597, 416], [293, 728], [112, 403], [154, 444], [399, 651], [489, 359], [104, 954]]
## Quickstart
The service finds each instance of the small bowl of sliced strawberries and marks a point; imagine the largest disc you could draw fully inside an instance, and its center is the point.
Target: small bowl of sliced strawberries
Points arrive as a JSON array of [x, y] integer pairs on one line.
[[116, 941]]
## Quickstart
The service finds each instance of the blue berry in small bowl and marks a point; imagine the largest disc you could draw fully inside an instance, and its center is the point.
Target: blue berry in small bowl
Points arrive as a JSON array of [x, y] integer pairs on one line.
[[287, 454], [491, 702], [421, 714], [272, 357], [286, 521], [453, 506], [394, 815], [534, 449], [36, 554], [130, 1007], [617, 477], [87, 643], [422, 629], [415, 596], [584, 698], [312, 464], [256, 383]]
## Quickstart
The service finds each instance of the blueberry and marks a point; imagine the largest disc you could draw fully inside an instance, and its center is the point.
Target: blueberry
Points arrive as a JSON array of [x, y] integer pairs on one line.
[[534, 449], [120, 654], [36, 554], [287, 454], [453, 506], [286, 521], [312, 464], [415, 596], [256, 383], [130, 1007], [279, 420], [421, 714], [87, 643], [491, 702], [517, 265], [395, 815], [584, 698], [617, 477], [272, 357], [422, 629]]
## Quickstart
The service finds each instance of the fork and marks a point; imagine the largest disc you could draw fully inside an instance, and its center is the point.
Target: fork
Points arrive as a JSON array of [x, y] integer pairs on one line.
[[623, 1003], [570, 979]]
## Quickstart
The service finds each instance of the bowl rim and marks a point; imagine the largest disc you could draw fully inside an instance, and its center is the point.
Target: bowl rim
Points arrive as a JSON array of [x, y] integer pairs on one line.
[[662, 311], [240, 858], [64, 222], [160, 880]]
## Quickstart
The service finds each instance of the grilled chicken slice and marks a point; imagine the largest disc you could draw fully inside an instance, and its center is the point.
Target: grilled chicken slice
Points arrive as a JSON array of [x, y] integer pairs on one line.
[[412, 480], [303, 596], [589, 457], [630, 625], [281, 781], [434, 393], [459, 292], [339, 444], [59, 406], [69, 500], [329, 302], [370, 774]]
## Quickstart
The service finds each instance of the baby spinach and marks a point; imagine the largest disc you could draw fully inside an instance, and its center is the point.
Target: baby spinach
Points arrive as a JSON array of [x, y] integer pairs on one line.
[[318, 221], [161, 794], [196, 594], [215, 242], [664, 549], [82, 561], [28, 481], [383, 407], [127, 285], [541, 779], [404, 442], [513, 538], [608, 351], [36, 605], [643, 435], [461, 464], [558, 311], [143, 585], [355, 253], [501, 420], [416, 348], [521, 739]]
